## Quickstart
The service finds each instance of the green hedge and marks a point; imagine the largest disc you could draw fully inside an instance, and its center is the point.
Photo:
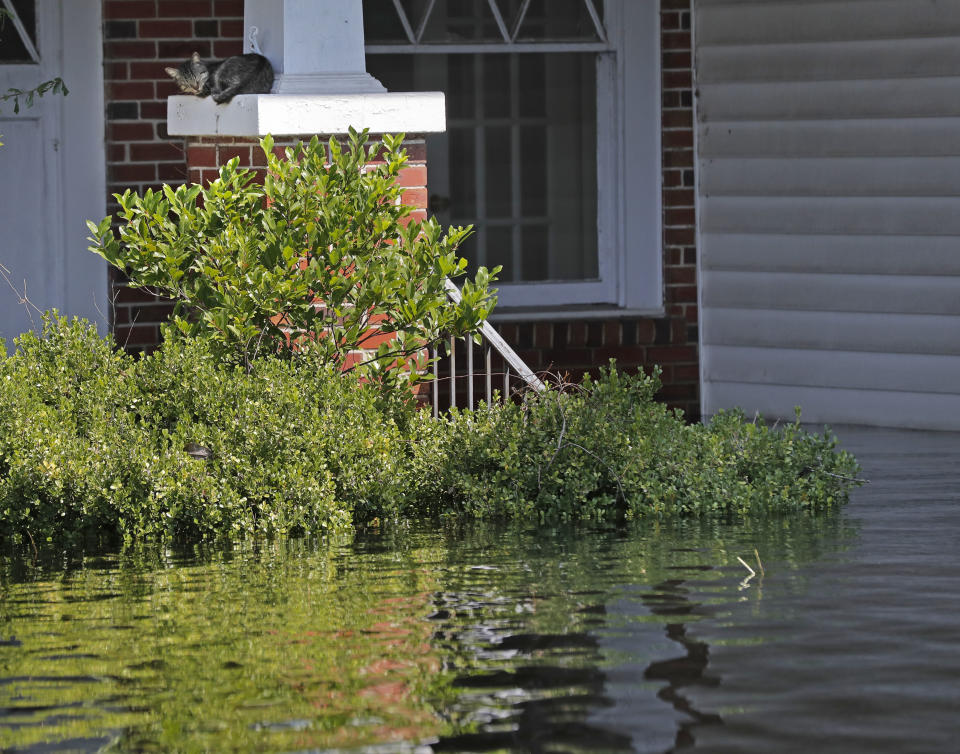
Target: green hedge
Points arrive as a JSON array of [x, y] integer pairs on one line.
[[606, 449], [93, 442], [94, 445]]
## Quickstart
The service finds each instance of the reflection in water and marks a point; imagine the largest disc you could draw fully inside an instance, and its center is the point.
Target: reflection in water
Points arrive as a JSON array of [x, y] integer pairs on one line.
[[481, 640], [669, 598]]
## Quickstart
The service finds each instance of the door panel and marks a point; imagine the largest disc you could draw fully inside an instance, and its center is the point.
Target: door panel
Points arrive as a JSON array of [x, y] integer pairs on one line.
[[52, 178]]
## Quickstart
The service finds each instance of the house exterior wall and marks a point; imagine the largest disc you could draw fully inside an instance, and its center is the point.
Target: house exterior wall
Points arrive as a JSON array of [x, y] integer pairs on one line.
[[575, 345], [829, 184], [143, 36]]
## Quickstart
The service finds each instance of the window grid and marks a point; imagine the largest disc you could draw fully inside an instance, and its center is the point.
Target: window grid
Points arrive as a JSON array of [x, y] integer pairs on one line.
[[509, 31]]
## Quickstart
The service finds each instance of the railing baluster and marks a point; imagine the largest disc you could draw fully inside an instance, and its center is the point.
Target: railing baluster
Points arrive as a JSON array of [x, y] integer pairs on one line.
[[493, 337], [492, 340], [453, 373], [489, 367], [436, 383], [469, 343]]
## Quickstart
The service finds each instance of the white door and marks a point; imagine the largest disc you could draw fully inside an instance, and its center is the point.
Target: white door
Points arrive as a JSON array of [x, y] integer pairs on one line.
[[52, 167]]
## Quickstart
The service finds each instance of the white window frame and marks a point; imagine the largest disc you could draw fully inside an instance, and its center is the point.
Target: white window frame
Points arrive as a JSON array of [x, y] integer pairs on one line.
[[629, 224]]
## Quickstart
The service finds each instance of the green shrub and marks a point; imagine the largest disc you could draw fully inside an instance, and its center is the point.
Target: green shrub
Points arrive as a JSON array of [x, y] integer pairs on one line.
[[94, 445], [93, 442], [606, 449], [245, 262]]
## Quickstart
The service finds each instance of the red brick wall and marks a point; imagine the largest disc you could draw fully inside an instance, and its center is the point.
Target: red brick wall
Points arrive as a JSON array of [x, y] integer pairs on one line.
[[576, 347], [143, 36], [205, 154]]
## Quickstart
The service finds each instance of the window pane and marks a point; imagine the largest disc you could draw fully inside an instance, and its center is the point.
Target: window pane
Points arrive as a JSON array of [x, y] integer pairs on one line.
[[381, 24], [12, 48], [496, 172], [558, 20], [461, 21], [499, 251], [519, 160]]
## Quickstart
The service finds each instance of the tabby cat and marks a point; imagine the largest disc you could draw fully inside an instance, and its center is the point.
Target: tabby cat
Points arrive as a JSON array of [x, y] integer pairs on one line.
[[223, 79]]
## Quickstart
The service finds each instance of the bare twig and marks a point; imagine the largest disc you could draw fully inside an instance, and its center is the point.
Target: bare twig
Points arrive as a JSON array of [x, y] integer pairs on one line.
[[844, 478], [613, 471], [36, 553], [22, 298]]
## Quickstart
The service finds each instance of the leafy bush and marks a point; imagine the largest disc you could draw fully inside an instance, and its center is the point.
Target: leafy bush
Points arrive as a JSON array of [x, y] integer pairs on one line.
[[247, 262], [93, 443], [606, 449], [96, 443]]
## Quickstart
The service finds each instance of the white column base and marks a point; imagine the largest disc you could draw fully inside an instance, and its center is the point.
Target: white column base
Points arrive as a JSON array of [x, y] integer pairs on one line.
[[327, 83], [283, 114]]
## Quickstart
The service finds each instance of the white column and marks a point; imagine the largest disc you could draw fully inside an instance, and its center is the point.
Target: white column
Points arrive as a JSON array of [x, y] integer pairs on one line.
[[322, 85], [315, 46]]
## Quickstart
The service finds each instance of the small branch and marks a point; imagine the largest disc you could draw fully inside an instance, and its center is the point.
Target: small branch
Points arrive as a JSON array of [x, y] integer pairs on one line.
[[36, 553], [22, 298], [609, 468], [746, 582], [844, 478], [563, 432]]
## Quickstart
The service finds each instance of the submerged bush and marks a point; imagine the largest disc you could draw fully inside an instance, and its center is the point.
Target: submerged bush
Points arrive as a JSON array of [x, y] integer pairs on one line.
[[606, 449], [95, 443]]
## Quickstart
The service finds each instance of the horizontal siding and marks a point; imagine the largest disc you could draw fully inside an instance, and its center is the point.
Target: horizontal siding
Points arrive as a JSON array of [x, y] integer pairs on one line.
[[727, 22], [887, 408], [840, 176], [829, 208], [868, 254], [831, 100], [825, 61], [878, 294], [893, 137], [840, 331], [924, 373], [832, 215]]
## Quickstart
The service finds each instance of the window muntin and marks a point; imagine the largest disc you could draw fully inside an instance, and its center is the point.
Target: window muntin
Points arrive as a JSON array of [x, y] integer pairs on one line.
[[518, 160], [18, 32], [523, 154], [451, 22]]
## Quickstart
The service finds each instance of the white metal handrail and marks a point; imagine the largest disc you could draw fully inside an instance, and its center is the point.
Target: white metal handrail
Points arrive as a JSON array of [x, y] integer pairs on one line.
[[492, 340]]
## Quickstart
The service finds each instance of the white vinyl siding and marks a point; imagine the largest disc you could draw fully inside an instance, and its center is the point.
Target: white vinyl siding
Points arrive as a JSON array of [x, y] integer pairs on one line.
[[829, 209]]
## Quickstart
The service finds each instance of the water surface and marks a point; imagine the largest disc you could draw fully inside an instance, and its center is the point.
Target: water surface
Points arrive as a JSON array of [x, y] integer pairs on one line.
[[650, 638]]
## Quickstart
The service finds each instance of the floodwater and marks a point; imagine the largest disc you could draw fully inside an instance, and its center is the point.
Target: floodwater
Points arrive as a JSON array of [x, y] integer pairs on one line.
[[642, 638]]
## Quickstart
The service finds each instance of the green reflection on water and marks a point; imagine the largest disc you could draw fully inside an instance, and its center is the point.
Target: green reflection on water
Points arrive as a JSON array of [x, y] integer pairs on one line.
[[279, 648], [406, 635]]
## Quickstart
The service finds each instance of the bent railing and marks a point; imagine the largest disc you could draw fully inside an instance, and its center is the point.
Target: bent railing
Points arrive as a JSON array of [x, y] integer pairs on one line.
[[492, 341]]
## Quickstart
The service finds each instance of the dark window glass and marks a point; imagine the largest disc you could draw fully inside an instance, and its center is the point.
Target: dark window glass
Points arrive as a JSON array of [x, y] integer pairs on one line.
[[12, 48], [519, 159], [381, 24]]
